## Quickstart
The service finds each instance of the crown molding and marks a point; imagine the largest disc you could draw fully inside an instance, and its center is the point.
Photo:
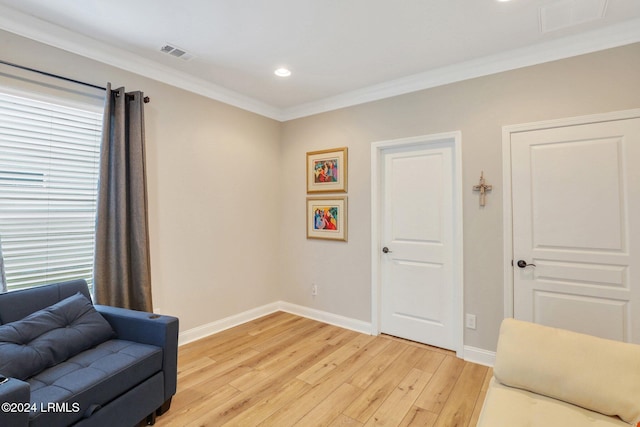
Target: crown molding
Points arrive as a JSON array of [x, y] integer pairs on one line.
[[588, 42], [59, 37], [36, 29]]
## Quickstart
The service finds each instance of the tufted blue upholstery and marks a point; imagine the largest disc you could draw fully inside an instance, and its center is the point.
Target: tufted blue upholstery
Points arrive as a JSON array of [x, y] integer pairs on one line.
[[16, 305], [50, 336], [127, 378], [92, 379]]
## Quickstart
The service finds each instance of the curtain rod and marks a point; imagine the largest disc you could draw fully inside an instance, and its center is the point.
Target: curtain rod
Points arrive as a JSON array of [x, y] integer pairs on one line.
[[56, 76]]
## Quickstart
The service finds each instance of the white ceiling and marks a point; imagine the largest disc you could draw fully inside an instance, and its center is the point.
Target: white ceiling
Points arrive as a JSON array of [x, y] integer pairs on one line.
[[341, 52]]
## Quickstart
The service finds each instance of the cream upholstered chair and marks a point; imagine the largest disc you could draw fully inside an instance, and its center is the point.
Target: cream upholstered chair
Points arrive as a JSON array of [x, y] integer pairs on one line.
[[546, 377]]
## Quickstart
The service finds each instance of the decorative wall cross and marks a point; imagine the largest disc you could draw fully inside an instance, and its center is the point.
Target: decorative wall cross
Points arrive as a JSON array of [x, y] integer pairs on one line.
[[482, 187]]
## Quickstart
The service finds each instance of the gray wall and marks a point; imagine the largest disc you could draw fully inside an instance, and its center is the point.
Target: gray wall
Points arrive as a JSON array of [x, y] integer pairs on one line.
[[227, 187], [213, 197], [594, 83]]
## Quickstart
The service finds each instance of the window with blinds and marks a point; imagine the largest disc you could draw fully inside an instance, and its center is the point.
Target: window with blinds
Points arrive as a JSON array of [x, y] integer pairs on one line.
[[49, 156]]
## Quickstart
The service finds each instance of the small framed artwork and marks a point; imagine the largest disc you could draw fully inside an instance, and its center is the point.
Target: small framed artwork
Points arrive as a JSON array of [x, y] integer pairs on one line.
[[327, 218], [327, 171]]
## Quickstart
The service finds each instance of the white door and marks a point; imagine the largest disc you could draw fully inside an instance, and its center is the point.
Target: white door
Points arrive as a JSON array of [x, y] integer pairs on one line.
[[417, 244], [576, 227]]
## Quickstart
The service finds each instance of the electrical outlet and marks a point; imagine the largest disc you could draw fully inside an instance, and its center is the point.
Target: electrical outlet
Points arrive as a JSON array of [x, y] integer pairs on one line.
[[470, 321], [314, 289]]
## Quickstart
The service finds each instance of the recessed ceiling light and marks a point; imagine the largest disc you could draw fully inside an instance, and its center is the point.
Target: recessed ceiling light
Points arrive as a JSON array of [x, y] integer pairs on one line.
[[282, 72]]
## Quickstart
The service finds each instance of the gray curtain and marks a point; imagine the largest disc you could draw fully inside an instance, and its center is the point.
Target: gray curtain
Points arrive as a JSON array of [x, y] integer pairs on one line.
[[3, 278], [122, 273]]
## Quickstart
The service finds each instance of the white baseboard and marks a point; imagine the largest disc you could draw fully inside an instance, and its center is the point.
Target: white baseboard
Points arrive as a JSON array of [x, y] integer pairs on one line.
[[326, 317], [244, 317], [479, 356], [470, 354], [228, 322]]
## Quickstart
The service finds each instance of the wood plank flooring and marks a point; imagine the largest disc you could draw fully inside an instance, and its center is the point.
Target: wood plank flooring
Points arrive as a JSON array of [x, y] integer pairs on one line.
[[284, 370]]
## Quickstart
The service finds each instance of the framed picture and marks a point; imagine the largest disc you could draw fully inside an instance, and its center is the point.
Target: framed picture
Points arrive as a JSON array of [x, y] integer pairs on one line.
[[327, 171], [327, 218]]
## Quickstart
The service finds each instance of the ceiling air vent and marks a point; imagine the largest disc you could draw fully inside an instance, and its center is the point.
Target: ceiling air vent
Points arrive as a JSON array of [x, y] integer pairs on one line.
[[567, 13], [173, 50]]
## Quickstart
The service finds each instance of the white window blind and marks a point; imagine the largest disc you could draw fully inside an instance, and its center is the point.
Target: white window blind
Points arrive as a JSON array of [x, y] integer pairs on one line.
[[49, 157]]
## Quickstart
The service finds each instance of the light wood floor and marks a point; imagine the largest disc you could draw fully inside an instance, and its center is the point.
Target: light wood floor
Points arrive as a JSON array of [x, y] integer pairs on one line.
[[284, 370]]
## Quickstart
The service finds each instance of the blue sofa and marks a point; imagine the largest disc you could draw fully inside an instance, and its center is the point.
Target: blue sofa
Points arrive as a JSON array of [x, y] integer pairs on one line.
[[68, 362]]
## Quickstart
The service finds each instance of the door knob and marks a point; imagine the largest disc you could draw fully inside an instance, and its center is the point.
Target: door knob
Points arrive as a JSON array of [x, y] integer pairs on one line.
[[523, 264], [386, 250]]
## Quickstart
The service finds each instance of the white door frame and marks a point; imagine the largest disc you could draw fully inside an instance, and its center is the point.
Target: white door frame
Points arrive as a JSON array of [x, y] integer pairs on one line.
[[377, 148], [506, 183]]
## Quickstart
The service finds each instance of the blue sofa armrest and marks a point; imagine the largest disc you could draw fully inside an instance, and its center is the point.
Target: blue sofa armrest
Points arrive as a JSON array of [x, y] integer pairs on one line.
[[148, 328], [14, 397]]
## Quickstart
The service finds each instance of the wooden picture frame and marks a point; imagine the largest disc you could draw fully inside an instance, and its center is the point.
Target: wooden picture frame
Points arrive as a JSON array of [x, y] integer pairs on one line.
[[327, 171], [327, 218]]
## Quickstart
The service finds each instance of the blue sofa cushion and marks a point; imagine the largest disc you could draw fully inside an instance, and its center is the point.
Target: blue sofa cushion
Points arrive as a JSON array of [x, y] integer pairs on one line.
[[50, 336], [90, 380]]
